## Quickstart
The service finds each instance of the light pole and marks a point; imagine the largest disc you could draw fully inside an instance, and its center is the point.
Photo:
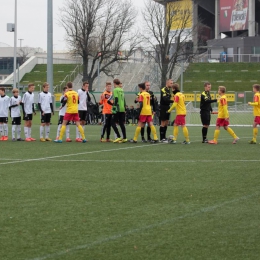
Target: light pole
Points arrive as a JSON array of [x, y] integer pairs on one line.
[[15, 42], [50, 45], [20, 42]]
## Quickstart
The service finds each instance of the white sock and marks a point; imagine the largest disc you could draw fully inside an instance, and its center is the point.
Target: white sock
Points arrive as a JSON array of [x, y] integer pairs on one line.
[[41, 131], [1, 129], [58, 130], [47, 131], [29, 132], [13, 131], [18, 129], [67, 131], [5, 130], [77, 133], [26, 132]]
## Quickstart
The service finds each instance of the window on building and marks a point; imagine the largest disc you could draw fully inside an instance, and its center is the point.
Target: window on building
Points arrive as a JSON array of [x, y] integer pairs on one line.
[[256, 50]]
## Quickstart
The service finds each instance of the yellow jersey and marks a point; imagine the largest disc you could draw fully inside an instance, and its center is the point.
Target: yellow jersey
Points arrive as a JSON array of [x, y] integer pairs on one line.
[[256, 104], [146, 109], [179, 99], [72, 98], [223, 107]]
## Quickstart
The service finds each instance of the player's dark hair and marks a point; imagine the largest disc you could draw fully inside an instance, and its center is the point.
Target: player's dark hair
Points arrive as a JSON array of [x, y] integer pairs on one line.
[[69, 84], [108, 83], [256, 87], [85, 82], [176, 87], [3, 89], [142, 86], [222, 89], [206, 84], [116, 81], [65, 88]]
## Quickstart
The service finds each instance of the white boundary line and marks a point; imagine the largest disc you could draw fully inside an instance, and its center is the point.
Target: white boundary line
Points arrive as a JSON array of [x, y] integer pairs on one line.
[[154, 161], [75, 154], [13, 161], [148, 227]]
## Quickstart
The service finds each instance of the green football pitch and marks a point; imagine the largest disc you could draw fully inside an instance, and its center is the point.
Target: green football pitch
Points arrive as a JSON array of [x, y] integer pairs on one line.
[[106, 201]]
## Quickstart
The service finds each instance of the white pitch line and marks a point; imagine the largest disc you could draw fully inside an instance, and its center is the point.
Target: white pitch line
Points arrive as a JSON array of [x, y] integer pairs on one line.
[[75, 154], [148, 227], [154, 161]]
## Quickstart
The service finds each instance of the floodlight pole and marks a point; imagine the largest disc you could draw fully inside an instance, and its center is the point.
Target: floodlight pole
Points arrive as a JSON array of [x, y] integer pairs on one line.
[[50, 45], [15, 42]]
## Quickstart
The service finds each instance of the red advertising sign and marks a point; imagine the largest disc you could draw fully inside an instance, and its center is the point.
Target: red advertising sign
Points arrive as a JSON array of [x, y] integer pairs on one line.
[[233, 15]]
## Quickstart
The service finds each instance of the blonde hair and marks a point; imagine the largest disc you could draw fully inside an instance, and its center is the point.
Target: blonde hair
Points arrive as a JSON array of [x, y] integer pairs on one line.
[[15, 90]]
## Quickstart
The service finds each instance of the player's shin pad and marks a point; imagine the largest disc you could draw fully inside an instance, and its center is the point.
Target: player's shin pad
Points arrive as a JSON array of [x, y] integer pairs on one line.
[[255, 132], [231, 132], [137, 132], [186, 133], [216, 135], [81, 131], [153, 130], [175, 132]]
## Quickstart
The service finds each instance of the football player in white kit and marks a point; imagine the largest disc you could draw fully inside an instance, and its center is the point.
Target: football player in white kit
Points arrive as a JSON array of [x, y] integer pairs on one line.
[[28, 112], [83, 98], [4, 106], [61, 116], [46, 108], [14, 106]]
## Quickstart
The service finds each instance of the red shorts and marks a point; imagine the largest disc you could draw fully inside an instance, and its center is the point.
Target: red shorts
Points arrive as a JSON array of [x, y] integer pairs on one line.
[[222, 122], [180, 120], [145, 119], [257, 120], [71, 117]]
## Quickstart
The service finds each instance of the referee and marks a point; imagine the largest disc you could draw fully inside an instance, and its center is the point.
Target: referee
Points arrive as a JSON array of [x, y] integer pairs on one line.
[[165, 102], [206, 110]]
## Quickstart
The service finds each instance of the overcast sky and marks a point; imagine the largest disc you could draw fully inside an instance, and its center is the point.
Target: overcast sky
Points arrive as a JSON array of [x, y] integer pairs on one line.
[[32, 22]]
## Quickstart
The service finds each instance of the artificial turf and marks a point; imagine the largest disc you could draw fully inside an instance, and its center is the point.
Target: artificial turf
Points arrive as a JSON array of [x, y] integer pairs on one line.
[[130, 201]]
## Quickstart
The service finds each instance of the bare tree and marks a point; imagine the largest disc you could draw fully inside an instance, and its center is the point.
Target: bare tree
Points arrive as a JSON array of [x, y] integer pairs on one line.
[[98, 30], [168, 33], [24, 53]]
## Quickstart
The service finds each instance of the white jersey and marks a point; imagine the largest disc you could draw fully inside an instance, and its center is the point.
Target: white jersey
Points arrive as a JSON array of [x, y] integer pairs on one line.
[[28, 101], [4, 106], [82, 100], [45, 100], [63, 110], [15, 111]]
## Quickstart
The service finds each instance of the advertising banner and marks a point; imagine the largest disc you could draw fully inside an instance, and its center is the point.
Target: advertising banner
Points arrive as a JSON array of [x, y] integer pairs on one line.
[[180, 13], [233, 15]]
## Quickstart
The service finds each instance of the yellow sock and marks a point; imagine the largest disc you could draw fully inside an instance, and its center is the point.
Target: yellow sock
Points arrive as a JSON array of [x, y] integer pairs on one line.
[[81, 130], [175, 132], [231, 132], [186, 133], [153, 130], [255, 132], [216, 134], [137, 132], [62, 131]]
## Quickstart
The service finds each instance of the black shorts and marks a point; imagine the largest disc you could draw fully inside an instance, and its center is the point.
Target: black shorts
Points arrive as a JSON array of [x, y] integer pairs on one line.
[[46, 118], [16, 120], [28, 117], [4, 120], [205, 117], [82, 115], [61, 120], [107, 119], [164, 116], [119, 118]]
